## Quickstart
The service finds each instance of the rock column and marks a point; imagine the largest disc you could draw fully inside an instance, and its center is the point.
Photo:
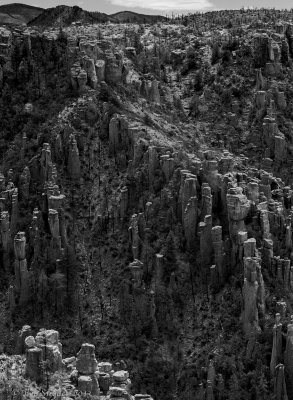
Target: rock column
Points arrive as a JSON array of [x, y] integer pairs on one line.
[[237, 206], [24, 184], [5, 230], [44, 348], [288, 358], [14, 211], [280, 390], [46, 163], [105, 376], [206, 247], [207, 200], [33, 368], [55, 246], [48, 342], [252, 294], [73, 166], [190, 222], [20, 268], [86, 365], [218, 251], [277, 353]]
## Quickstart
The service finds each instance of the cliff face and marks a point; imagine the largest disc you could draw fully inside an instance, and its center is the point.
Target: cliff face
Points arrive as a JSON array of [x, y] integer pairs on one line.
[[145, 197]]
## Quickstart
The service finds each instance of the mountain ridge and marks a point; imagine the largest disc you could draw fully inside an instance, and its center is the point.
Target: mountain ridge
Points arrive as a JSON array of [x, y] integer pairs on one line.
[[25, 14]]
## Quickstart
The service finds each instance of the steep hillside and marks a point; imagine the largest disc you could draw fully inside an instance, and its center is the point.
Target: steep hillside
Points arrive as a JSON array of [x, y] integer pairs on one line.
[[65, 15], [17, 13]]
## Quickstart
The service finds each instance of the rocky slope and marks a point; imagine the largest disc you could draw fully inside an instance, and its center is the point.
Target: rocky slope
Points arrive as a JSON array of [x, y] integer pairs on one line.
[[146, 206]]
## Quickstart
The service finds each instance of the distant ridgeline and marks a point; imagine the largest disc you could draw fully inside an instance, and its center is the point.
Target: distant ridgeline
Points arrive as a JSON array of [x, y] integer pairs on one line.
[[22, 14]]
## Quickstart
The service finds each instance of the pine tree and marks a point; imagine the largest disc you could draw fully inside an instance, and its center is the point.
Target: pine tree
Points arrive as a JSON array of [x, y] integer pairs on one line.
[[262, 389], [234, 388], [216, 54], [284, 52], [62, 37], [198, 81], [137, 43], [16, 57]]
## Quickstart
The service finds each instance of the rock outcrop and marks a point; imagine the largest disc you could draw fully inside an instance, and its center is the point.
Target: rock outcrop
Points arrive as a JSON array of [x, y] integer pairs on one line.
[[43, 354]]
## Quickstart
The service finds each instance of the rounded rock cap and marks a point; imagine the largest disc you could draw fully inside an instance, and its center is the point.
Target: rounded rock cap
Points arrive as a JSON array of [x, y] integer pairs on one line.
[[30, 342], [120, 376]]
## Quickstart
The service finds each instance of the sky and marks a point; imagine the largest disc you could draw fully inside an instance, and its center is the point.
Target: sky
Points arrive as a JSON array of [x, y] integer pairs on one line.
[[156, 6]]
